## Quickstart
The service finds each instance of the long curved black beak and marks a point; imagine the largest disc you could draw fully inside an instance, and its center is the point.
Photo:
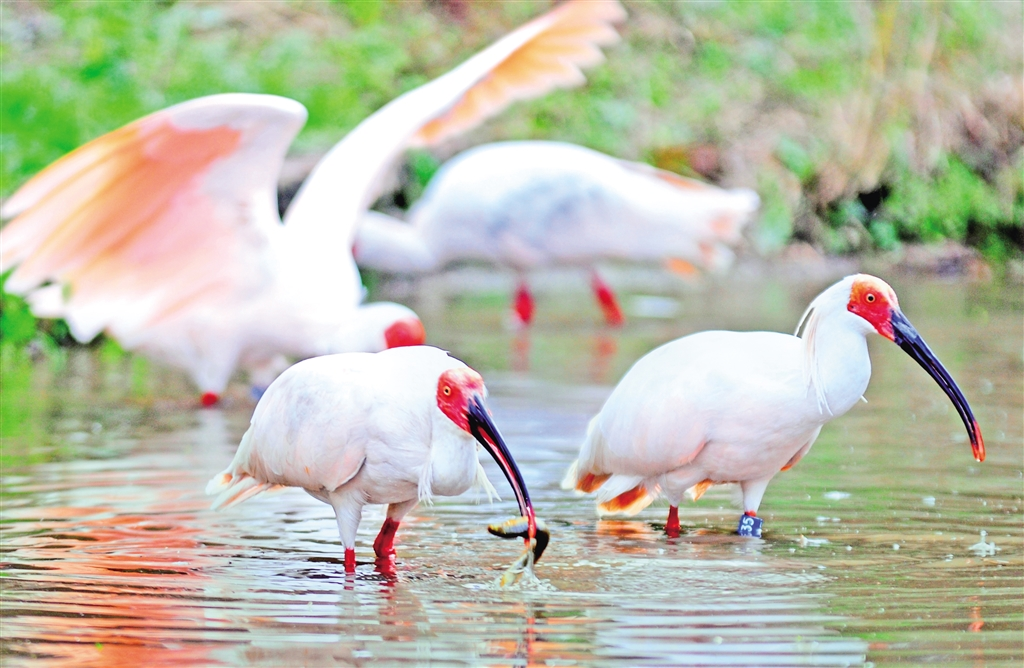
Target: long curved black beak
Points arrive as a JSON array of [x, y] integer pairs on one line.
[[906, 337], [483, 430]]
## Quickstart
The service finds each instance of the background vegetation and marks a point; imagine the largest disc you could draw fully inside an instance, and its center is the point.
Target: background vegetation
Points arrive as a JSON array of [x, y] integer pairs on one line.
[[862, 125]]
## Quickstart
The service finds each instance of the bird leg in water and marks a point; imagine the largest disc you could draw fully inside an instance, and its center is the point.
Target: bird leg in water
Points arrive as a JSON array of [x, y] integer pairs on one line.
[[350, 560], [672, 524], [384, 545], [750, 525], [523, 304], [606, 300]]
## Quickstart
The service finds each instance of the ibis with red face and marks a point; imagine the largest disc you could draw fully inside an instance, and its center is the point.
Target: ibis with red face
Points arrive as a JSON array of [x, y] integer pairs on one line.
[[739, 407], [165, 233], [396, 427]]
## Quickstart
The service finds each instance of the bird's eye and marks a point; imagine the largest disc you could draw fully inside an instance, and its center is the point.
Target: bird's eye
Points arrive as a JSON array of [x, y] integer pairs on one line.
[[447, 391], [870, 298]]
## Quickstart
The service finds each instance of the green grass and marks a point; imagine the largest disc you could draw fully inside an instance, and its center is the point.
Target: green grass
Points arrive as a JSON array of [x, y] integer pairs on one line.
[[761, 82]]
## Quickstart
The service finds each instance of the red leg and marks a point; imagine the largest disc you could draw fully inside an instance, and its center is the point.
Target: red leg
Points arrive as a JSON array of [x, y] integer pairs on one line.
[[750, 513], [350, 560], [384, 545], [208, 399], [607, 300], [672, 525], [523, 304]]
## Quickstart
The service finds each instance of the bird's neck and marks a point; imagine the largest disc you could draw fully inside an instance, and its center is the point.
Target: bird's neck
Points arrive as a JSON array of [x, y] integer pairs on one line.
[[388, 244], [453, 459], [837, 363]]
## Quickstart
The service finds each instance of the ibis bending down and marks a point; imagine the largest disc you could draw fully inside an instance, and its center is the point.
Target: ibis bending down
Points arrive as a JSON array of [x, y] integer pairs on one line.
[[528, 204], [395, 427], [738, 407]]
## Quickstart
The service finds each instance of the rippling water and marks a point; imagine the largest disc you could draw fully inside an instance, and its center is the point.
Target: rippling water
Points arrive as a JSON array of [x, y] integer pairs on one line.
[[872, 550]]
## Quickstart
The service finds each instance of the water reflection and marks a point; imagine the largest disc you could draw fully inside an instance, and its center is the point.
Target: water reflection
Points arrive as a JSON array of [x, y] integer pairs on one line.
[[110, 556]]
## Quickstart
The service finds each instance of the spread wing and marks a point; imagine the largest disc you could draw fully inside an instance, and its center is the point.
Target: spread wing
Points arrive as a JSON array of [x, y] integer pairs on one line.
[[544, 54], [174, 209]]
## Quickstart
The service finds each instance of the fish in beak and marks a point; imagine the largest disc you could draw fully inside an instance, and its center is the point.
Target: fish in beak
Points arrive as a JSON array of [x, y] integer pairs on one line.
[[483, 430], [905, 336]]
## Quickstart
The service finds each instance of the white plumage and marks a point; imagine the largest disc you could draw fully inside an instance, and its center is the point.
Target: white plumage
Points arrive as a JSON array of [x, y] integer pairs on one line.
[[738, 407], [165, 233], [396, 428], [532, 203]]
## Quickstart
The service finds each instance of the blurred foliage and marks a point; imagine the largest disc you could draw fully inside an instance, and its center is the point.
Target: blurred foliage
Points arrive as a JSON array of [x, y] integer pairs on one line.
[[863, 125], [19, 328]]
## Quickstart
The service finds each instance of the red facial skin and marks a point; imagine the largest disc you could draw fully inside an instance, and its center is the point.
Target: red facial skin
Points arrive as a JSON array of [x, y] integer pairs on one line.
[[455, 387], [872, 299], [407, 332]]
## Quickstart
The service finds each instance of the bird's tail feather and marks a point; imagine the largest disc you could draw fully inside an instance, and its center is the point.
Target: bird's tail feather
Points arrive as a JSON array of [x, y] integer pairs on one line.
[[584, 483], [234, 489], [624, 494], [239, 489], [570, 479]]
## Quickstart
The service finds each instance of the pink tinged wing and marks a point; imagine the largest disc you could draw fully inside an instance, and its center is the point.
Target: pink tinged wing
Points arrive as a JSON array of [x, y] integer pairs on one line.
[[162, 214], [544, 54]]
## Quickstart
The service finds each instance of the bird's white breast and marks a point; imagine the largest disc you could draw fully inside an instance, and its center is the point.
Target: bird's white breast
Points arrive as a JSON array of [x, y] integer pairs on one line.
[[738, 401]]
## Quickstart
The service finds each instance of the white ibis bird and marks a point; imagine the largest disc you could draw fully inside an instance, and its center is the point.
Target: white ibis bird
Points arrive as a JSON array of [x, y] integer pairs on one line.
[[738, 407], [533, 203], [395, 427], [165, 233]]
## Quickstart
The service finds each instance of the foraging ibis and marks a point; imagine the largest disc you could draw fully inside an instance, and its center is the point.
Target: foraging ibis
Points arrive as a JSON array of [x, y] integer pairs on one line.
[[526, 204], [165, 233], [395, 427], [738, 407]]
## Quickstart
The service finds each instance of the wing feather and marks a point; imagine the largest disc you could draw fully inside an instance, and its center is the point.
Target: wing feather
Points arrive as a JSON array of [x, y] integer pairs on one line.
[[546, 53], [173, 208], [560, 43]]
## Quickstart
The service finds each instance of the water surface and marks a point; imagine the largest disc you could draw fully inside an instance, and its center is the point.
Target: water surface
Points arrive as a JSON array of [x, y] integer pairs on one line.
[[871, 551]]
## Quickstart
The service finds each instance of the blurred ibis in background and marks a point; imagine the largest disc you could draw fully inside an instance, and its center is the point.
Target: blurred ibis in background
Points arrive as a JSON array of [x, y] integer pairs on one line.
[[396, 427], [165, 233], [738, 407], [528, 204]]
